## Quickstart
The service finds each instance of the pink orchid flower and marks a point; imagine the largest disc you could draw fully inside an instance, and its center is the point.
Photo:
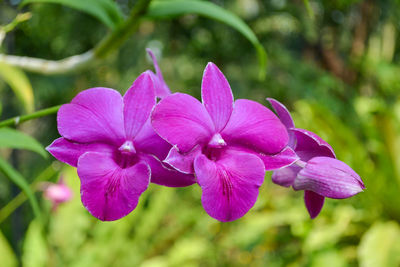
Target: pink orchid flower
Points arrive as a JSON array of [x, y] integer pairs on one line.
[[227, 145], [317, 171]]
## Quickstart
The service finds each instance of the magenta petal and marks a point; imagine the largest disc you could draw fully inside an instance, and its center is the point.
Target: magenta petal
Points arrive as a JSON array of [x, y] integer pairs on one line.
[[255, 126], [229, 186], [162, 175], [285, 177], [282, 112], [94, 115], [182, 162], [329, 177], [314, 203], [107, 191], [161, 87], [139, 100], [69, 152], [217, 96], [285, 118], [283, 159], [149, 142], [310, 145], [183, 121]]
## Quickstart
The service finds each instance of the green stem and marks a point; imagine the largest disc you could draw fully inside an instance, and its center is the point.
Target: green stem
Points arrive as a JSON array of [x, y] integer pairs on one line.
[[38, 114], [119, 35], [310, 11]]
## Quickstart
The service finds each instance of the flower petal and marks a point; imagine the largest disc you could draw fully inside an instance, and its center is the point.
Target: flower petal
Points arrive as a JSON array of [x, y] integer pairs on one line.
[[217, 96], [314, 203], [329, 177], [254, 126], [183, 121], [182, 162], [94, 115], [69, 152], [310, 145], [139, 100], [161, 87], [285, 177], [285, 117], [149, 142], [281, 160], [162, 175], [107, 191], [230, 185]]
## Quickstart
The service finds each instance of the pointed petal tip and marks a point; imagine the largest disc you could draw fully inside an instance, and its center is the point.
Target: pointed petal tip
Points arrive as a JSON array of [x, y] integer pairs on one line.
[[329, 177], [314, 203]]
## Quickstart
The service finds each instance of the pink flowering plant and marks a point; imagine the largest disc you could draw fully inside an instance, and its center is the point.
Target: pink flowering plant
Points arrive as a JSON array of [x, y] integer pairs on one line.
[[121, 144]]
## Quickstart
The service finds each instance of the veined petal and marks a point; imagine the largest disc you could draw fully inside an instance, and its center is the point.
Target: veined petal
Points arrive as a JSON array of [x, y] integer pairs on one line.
[[314, 203], [139, 100], [310, 145], [285, 117], [229, 186], [329, 177], [162, 175], [161, 87], [217, 96], [285, 177], [183, 121], [107, 191], [281, 160], [254, 126], [182, 162], [94, 115], [69, 152]]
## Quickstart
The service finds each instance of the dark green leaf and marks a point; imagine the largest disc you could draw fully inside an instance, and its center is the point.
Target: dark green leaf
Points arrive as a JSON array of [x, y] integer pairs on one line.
[[173, 8], [19, 180], [11, 138], [106, 11]]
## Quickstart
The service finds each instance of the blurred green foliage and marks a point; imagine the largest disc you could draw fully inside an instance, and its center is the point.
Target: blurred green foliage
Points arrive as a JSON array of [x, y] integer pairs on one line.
[[337, 71]]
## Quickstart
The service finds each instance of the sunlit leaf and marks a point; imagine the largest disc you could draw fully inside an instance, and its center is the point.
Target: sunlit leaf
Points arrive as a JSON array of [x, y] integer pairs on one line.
[[173, 8], [107, 11], [11, 138], [19, 180], [35, 251], [380, 246], [7, 254], [20, 84]]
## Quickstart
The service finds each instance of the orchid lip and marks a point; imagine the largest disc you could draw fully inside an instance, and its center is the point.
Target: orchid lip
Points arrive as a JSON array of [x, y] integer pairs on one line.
[[127, 147], [217, 141]]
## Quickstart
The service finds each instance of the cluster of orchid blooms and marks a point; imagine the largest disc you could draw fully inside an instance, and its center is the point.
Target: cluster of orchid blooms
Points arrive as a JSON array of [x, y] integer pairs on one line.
[[121, 144]]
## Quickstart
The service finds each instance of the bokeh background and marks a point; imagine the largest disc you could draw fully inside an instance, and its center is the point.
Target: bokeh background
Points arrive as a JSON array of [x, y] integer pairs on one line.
[[335, 64]]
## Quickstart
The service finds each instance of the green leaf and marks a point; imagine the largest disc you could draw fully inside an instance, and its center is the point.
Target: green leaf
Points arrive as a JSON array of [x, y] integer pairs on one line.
[[19, 180], [107, 11], [35, 252], [11, 138], [173, 8], [8, 257], [380, 246], [20, 84]]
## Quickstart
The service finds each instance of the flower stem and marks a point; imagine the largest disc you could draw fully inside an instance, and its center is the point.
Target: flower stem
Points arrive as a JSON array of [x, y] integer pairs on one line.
[[38, 114]]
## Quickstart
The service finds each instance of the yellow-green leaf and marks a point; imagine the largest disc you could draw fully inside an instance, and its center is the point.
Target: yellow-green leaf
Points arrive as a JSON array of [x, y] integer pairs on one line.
[[380, 246], [20, 84], [8, 257]]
